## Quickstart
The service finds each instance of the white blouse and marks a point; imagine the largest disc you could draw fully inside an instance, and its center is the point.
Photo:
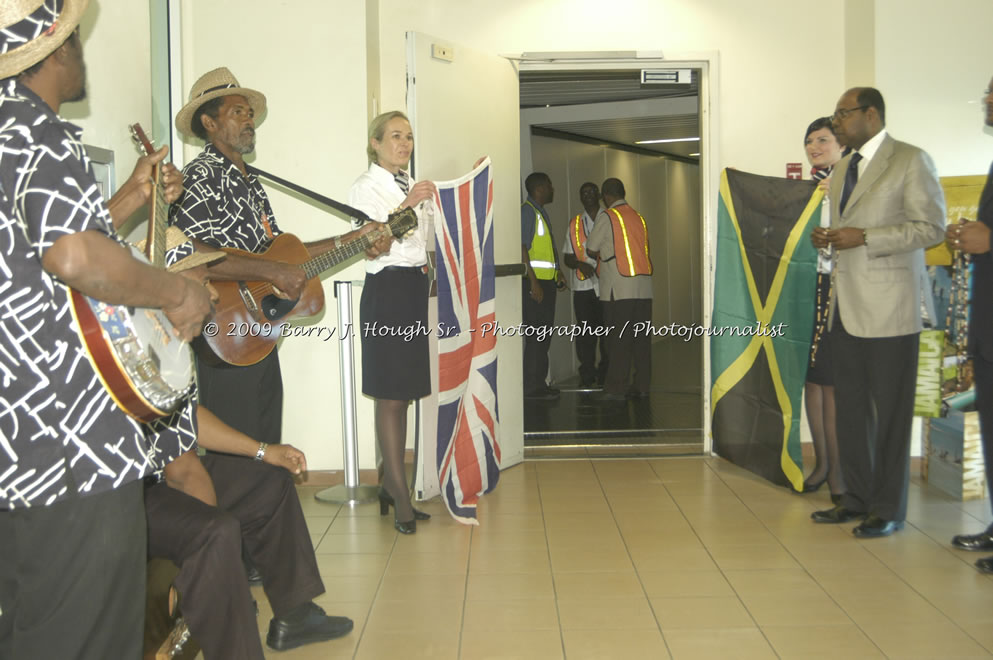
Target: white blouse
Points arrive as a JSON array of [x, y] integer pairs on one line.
[[377, 194]]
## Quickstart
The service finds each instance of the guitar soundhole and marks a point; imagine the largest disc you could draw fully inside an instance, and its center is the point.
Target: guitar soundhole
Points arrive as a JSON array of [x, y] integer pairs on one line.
[[274, 307]]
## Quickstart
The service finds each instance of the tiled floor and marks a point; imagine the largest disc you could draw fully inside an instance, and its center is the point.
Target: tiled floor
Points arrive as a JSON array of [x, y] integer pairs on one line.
[[682, 558]]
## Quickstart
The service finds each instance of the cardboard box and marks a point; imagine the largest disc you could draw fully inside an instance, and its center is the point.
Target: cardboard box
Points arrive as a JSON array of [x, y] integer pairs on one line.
[[953, 456]]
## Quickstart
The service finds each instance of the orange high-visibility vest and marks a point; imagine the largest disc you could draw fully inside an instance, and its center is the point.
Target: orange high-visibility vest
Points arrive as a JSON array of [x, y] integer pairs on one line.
[[630, 241], [577, 234]]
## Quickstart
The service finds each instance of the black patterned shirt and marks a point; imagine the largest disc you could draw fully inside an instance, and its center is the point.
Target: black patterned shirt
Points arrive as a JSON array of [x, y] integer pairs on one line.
[[60, 431], [221, 206]]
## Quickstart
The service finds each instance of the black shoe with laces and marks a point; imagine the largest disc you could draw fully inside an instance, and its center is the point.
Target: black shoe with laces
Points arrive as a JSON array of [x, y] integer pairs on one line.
[[305, 625]]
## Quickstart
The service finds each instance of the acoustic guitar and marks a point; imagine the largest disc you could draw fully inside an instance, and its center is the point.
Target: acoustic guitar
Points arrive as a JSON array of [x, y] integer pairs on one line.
[[249, 317], [145, 368]]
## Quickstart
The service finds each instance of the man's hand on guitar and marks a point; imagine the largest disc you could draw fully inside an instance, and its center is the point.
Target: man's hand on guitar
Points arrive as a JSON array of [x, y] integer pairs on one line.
[[381, 236], [193, 308], [421, 191], [286, 456], [172, 182], [288, 279]]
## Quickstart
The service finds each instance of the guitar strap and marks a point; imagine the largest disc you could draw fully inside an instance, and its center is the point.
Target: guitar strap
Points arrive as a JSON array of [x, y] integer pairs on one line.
[[350, 211]]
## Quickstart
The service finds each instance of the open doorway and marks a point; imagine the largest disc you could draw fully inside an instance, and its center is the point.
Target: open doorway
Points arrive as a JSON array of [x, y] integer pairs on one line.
[[580, 125]]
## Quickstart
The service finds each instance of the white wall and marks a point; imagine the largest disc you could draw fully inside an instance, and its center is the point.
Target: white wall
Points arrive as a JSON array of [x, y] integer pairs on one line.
[[308, 58], [933, 60], [118, 88], [764, 53]]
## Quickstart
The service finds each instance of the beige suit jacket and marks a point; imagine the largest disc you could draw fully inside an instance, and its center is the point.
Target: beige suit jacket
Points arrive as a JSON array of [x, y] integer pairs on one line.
[[900, 205]]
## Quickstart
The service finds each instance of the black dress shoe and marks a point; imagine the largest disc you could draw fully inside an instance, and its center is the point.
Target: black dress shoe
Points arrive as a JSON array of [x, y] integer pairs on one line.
[[836, 514], [874, 527], [305, 625], [974, 542], [985, 565]]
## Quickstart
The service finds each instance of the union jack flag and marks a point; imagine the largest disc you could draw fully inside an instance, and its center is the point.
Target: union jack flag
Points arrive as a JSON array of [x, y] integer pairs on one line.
[[468, 418]]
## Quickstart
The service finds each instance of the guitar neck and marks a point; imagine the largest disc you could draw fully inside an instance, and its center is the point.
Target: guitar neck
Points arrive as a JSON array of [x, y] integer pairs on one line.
[[158, 223], [336, 255]]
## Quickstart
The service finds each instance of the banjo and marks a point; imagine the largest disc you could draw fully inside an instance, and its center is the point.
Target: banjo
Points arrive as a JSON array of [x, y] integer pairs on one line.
[[144, 367]]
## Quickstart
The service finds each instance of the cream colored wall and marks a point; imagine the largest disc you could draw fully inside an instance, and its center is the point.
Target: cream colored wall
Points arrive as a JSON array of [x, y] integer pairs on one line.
[[932, 62], [308, 58], [116, 50], [764, 49]]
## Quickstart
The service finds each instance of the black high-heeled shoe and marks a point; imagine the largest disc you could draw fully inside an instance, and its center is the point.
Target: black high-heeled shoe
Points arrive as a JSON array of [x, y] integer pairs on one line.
[[402, 526], [813, 487]]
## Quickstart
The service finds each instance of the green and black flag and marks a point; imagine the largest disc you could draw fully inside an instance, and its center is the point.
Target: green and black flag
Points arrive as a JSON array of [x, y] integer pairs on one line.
[[764, 296]]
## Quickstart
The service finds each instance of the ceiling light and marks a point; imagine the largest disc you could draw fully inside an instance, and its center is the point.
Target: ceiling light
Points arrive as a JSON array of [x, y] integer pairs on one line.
[[692, 139], [696, 154]]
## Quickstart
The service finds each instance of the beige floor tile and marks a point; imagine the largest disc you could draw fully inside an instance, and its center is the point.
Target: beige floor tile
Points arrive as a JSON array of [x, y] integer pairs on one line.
[[614, 644], [923, 640], [819, 641], [510, 561], [509, 586], [420, 645], [514, 615], [981, 632], [430, 538], [428, 563], [606, 614], [361, 525], [509, 539], [350, 588], [684, 613], [318, 524], [640, 504], [363, 564], [751, 557], [794, 610], [496, 524], [418, 587], [688, 557], [683, 583], [582, 560], [589, 586], [411, 616], [782, 583], [741, 644], [355, 544], [522, 645], [593, 523]]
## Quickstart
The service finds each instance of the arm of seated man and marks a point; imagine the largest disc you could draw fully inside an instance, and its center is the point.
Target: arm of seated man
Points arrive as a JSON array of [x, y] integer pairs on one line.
[[188, 475], [215, 435]]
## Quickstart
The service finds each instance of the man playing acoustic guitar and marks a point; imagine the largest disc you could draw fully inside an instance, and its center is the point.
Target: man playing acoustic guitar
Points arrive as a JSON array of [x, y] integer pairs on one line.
[[225, 206]]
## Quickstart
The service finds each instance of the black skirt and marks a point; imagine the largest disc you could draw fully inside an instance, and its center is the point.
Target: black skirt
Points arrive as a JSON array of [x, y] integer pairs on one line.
[[819, 366], [393, 326]]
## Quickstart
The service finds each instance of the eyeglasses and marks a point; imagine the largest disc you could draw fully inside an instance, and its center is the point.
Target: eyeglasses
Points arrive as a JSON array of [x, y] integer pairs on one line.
[[841, 113]]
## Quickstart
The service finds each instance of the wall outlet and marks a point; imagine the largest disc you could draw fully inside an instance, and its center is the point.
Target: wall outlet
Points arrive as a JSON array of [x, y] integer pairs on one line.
[[440, 52]]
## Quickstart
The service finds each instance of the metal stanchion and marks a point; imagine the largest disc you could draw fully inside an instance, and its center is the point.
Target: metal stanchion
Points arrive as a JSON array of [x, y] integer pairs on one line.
[[350, 492]]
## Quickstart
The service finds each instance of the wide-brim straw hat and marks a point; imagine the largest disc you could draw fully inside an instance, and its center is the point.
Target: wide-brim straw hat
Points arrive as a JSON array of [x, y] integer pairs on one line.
[[212, 85], [174, 238], [31, 30]]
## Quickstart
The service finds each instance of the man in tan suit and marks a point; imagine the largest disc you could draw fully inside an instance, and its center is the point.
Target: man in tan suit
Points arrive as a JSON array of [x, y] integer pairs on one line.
[[886, 207]]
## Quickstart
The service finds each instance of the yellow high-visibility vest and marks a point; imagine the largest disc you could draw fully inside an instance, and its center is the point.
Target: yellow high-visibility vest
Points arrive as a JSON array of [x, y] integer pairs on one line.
[[542, 252], [630, 241]]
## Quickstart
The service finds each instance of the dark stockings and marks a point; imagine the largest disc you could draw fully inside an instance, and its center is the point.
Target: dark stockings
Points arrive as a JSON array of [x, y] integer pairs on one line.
[[819, 401], [391, 432]]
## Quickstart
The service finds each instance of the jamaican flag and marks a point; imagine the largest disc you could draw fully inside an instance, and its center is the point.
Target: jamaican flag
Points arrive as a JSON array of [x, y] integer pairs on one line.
[[766, 276]]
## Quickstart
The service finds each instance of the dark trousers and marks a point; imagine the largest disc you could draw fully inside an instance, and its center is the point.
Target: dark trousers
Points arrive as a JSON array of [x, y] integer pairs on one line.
[[537, 315], [589, 309], [249, 399], [983, 373], [72, 578], [874, 383], [256, 504], [625, 349]]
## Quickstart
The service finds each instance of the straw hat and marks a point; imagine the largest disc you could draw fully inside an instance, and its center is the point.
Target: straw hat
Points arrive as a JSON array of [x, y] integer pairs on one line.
[[211, 85], [30, 30], [174, 238]]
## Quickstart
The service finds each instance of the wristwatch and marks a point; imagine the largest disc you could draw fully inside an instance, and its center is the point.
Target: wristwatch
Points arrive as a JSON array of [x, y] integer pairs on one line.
[[260, 454]]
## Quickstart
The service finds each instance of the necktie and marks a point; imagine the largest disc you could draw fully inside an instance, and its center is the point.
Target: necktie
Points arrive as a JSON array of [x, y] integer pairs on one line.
[[851, 178], [403, 180], [820, 173]]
